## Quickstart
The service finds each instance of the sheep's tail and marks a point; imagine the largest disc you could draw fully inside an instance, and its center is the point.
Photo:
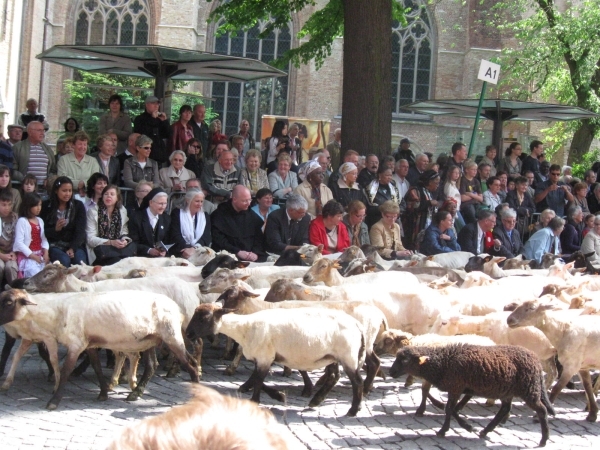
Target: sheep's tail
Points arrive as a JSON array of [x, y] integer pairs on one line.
[[544, 397], [361, 350]]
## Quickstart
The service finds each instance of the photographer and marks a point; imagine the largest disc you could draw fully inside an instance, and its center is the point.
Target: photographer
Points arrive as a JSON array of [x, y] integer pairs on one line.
[[154, 124], [553, 193]]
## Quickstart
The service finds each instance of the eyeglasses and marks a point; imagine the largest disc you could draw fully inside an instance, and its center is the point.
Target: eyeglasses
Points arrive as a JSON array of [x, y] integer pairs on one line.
[[195, 146], [147, 148], [360, 216]]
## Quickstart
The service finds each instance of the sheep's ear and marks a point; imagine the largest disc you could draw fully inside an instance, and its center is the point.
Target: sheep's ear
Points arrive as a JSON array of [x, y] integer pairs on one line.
[[302, 256], [307, 291], [429, 258], [320, 248], [336, 264], [499, 259], [25, 301], [97, 269], [245, 277], [412, 263], [241, 264], [184, 264], [589, 255], [221, 312], [71, 270], [570, 265], [250, 294], [488, 258], [423, 360], [526, 262]]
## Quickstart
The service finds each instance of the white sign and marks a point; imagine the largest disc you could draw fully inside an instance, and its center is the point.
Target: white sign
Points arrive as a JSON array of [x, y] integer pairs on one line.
[[488, 71]]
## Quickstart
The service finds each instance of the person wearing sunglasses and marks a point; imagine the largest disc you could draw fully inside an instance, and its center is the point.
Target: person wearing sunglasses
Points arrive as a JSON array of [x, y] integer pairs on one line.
[[552, 193], [194, 160], [140, 166]]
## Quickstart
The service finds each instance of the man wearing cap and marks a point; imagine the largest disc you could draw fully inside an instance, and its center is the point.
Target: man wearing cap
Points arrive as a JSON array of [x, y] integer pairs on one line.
[[237, 229], [404, 152], [335, 149], [32, 115], [15, 134], [155, 125], [149, 227]]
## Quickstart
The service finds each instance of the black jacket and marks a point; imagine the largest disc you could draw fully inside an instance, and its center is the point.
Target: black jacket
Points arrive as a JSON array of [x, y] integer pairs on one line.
[[277, 231], [73, 233], [176, 237], [365, 177], [234, 231], [510, 247], [142, 233], [521, 209], [114, 169], [157, 130], [202, 135], [467, 238]]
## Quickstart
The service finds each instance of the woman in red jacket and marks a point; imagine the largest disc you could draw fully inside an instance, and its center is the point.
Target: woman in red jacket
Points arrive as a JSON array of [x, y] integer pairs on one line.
[[181, 131], [328, 229]]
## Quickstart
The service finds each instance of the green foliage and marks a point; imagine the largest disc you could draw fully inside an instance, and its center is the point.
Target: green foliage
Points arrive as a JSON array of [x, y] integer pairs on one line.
[[587, 161]]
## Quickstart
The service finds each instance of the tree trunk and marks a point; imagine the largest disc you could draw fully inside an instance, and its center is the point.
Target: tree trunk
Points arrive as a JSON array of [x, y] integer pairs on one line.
[[367, 87], [581, 142]]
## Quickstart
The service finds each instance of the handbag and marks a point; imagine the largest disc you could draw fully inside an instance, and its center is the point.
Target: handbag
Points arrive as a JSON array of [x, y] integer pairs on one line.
[[108, 251]]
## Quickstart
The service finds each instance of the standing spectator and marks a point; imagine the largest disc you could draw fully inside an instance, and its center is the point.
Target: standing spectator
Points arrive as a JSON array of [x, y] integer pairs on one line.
[[571, 237], [459, 155], [31, 245], [237, 144], [483, 173], [174, 177], [200, 127], [279, 132], [15, 134], [155, 125], [190, 226], [141, 166], [544, 171], [399, 177], [579, 197], [490, 197], [521, 202], [181, 131], [593, 199], [531, 161], [64, 224], [32, 155], [589, 178], [420, 207], [109, 165], [421, 162], [511, 163], [106, 229], [281, 181], [71, 127], [220, 178], [194, 160], [545, 240], [567, 172], [507, 235], [386, 233], [451, 186], [116, 121], [287, 228], [252, 176], [324, 161], [440, 237], [264, 205], [378, 192], [95, 186], [346, 190], [328, 230], [358, 232], [369, 173], [6, 185], [313, 189], [295, 144], [552, 193], [530, 182], [477, 237], [335, 149], [215, 136], [32, 115], [149, 228], [247, 140], [8, 222], [404, 152], [79, 166], [489, 158], [470, 192]]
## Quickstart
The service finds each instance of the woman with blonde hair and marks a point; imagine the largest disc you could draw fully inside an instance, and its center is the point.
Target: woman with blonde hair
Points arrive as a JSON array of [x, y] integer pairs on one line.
[[386, 232], [252, 176]]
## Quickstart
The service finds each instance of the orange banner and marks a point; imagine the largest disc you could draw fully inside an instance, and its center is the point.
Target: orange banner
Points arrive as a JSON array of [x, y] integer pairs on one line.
[[313, 133]]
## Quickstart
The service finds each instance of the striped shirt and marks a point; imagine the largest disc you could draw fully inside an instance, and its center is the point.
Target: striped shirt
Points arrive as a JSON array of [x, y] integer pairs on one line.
[[38, 163]]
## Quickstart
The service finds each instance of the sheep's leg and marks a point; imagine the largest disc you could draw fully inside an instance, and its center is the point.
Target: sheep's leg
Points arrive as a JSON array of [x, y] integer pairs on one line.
[[9, 343], [232, 368], [410, 381], [381, 373], [97, 366], [450, 406], [134, 359], [43, 351], [52, 350], [564, 378], [332, 375], [287, 371], [248, 384], [110, 359], [501, 414], [198, 349], [586, 379], [308, 384], [259, 377], [174, 370], [67, 368], [549, 366], [119, 361], [82, 367], [186, 360], [373, 364], [425, 387], [357, 389], [25, 345], [149, 369], [542, 413]]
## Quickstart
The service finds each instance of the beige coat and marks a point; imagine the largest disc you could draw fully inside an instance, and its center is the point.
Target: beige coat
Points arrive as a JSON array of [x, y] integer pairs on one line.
[[167, 174], [390, 240], [304, 190], [591, 243]]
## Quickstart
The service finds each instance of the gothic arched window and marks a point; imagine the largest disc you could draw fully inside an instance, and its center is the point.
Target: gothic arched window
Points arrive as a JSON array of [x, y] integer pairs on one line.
[[237, 101], [411, 57], [112, 22]]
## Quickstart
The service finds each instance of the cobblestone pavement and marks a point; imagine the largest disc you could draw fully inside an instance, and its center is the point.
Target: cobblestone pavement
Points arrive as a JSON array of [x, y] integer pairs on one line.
[[386, 421]]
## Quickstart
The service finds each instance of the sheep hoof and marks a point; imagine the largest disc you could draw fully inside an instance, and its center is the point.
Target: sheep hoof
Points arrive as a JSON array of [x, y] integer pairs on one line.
[[316, 401], [173, 372], [306, 392], [352, 412], [440, 433], [592, 417], [243, 389], [134, 396], [287, 371], [420, 412], [103, 396], [50, 377], [111, 387], [4, 387], [229, 371], [279, 396], [490, 402], [482, 434]]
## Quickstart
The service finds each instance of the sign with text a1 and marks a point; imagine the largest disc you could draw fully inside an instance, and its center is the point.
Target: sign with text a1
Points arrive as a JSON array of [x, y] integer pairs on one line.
[[488, 71]]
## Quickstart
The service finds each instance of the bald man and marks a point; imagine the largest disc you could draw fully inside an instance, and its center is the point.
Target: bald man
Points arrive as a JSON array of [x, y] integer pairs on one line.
[[237, 229]]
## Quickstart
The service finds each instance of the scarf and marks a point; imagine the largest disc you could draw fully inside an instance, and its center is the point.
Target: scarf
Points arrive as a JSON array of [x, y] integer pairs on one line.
[[355, 235], [315, 193], [374, 188], [109, 227], [192, 234]]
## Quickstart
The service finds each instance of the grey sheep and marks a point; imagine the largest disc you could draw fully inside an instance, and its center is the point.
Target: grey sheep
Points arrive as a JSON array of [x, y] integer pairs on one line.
[[499, 372]]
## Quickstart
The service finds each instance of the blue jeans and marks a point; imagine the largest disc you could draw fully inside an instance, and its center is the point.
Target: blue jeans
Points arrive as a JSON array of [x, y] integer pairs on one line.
[[56, 254]]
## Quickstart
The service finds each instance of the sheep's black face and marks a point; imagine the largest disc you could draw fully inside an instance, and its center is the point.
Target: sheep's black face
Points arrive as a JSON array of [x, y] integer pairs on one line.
[[405, 358], [11, 303], [201, 325]]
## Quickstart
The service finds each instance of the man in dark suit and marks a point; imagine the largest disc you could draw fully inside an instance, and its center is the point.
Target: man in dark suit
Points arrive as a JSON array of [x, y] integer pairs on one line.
[[154, 124], [477, 237], [510, 240], [200, 128], [417, 170], [148, 227], [287, 228]]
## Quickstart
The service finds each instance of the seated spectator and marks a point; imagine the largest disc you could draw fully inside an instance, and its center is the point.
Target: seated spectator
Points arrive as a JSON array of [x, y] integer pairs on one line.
[[109, 165], [149, 228], [347, 190], [545, 218], [173, 178], [140, 167], [193, 183], [282, 148], [483, 174], [580, 191], [470, 193], [589, 224], [415, 172], [252, 176], [503, 177], [439, 237], [593, 199], [264, 205], [552, 193], [8, 222], [490, 197], [313, 189], [28, 185], [190, 226], [281, 181], [64, 224], [6, 154], [386, 233], [106, 229], [477, 237], [78, 166], [328, 229], [489, 158], [420, 207], [350, 156], [591, 243], [369, 173], [6, 185], [452, 184], [130, 151], [31, 245], [220, 178], [507, 241], [379, 191], [545, 240], [457, 221], [142, 189], [287, 228], [358, 232], [521, 202], [95, 186], [567, 172], [570, 238], [237, 229], [194, 160], [399, 177]]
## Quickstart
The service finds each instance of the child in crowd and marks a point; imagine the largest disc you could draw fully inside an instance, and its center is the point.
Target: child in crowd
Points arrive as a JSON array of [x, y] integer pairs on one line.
[[8, 221], [589, 224], [30, 244], [29, 184], [6, 185]]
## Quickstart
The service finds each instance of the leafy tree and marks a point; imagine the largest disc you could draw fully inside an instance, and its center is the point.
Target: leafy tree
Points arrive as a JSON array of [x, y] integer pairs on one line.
[[556, 56], [366, 29]]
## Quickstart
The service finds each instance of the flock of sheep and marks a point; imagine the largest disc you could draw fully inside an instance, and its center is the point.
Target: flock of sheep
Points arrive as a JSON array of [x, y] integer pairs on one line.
[[493, 332]]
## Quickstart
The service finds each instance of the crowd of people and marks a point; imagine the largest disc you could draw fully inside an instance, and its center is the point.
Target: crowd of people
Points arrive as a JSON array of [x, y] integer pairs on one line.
[[233, 196]]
